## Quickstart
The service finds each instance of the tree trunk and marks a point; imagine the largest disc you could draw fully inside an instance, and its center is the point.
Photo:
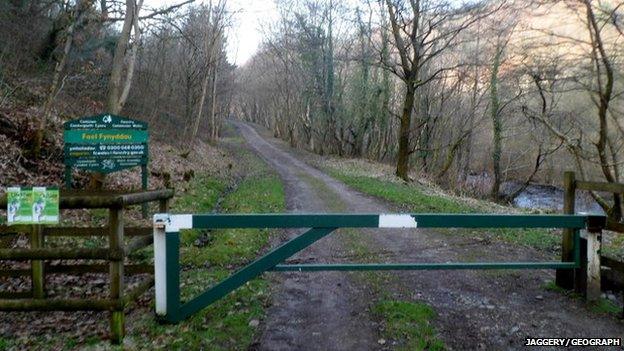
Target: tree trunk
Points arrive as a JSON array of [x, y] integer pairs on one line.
[[131, 59], [118, 86], [605, 93], [114, 103], [213, 110], [54, 89], [466, 150], [200, 108], [496, 126], [402, 168]]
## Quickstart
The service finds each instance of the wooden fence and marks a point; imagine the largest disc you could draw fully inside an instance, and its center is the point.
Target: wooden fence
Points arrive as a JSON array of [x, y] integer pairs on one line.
[[604, 266], [115, 253]]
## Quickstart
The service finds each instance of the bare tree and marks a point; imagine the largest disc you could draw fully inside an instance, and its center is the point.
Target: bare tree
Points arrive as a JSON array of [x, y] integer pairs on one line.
[[212, 26], [78, 14], [118, 84], [600, 83], [422, 31]]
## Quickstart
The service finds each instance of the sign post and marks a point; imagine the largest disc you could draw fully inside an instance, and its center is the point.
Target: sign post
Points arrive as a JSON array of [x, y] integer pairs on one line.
[[106, 143]]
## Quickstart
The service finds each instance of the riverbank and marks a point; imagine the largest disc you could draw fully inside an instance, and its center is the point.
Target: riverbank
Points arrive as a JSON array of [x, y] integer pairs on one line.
[[378, 179]]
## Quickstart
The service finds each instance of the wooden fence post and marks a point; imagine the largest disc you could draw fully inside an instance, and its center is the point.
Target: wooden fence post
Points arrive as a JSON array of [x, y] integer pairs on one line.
[[592, 291], [163, 205], [565, 277], [38, 278], [116, 272], [144, 178], [587, 277]]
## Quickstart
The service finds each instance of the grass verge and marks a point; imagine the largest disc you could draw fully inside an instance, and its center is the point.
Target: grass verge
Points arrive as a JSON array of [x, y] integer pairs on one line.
[[209, 256], [409, 325], [413, 198], [602, 306]]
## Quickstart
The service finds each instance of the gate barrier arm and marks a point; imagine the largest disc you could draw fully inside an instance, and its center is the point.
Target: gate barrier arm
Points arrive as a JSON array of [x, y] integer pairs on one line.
[[167, 245]]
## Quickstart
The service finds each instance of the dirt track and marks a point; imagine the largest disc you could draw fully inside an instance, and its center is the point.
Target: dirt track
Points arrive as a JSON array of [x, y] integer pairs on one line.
[[476, 309]]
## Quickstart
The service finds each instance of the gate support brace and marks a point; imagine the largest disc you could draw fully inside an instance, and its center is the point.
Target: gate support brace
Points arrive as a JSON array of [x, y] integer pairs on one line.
[[173, 312]]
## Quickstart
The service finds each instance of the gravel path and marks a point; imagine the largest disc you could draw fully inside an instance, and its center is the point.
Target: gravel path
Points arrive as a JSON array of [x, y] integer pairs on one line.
[[476, 309]]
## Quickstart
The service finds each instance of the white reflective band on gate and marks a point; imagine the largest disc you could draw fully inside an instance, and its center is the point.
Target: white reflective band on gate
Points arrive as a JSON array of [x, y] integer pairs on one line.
[[177, 222], [396, 221]]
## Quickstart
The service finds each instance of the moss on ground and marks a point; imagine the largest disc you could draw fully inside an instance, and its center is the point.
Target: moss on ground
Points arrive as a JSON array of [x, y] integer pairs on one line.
[[409, 325], [604, 306]]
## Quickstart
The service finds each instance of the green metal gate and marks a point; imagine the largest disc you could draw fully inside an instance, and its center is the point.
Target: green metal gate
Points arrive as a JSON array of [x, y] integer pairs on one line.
[[167, 245]]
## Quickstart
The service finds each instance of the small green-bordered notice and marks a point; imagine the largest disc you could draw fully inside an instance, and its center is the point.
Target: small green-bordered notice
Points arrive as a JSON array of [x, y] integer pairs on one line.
[[36, 205]]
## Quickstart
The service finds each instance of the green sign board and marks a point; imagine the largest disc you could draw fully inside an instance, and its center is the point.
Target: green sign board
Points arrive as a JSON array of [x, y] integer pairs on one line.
[[36, 205], [105, 143]]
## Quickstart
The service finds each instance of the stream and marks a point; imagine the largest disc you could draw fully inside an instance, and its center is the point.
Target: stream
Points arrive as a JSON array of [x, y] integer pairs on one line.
[[539, 196], [547, 197]]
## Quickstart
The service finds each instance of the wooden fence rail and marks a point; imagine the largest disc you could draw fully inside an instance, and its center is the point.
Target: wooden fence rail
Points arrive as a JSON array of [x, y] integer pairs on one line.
[[130, 269], [116, 252]]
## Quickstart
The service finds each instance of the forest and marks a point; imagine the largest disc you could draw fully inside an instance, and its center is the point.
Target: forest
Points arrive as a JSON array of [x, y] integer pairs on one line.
[[467, 94], [64, 59]]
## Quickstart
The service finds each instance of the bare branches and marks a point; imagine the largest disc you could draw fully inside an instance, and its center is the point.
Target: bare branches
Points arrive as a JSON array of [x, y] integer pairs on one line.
[[166, 10], [415, 80], [155, 13], [398, 39]]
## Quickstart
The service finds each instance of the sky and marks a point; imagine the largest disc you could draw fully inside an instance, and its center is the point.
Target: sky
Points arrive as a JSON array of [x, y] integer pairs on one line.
[[245, 36]]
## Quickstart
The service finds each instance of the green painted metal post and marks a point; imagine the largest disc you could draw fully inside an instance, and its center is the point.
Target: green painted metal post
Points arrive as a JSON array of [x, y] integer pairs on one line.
[[172, 243], [577, 248], [580, 274]]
